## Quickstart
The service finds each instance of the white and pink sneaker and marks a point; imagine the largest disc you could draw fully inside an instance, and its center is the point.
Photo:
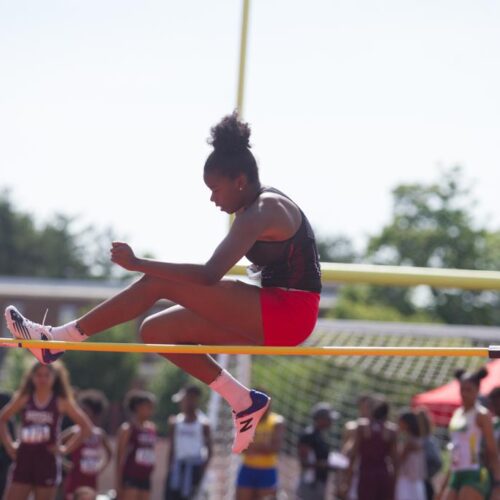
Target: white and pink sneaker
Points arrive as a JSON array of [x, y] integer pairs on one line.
[[24, 329], [246, 421]]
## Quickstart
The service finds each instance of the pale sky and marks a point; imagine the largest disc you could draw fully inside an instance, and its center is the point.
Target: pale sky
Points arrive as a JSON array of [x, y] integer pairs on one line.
[[105, 107]]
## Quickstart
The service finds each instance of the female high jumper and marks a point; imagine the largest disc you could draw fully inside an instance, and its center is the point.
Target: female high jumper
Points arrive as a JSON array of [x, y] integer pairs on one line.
[[270, 230]]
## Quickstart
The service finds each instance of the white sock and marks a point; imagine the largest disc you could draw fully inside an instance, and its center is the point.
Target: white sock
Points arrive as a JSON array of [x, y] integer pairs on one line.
[[236, 394], [68, 332]]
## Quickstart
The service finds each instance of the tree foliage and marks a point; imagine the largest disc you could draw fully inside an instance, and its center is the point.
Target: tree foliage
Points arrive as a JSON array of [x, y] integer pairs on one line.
[[338, 248], [53, 249], [432, 225]]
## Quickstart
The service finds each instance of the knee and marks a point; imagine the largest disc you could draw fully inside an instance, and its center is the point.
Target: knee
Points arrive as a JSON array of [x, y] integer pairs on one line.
[[150, 286], [153, 331], [146, 330]]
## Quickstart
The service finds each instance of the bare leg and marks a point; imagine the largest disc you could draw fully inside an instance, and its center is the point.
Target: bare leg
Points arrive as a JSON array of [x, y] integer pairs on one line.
[[131, 494], [45, 493], [232, 305], [468, 493], [178, 325], [450, 494], [18, 491], [244, 493], [266, 494]]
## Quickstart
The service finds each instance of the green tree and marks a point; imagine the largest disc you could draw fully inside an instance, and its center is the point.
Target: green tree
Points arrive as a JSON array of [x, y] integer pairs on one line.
[[338, 248], [432, 225], [54, 249]]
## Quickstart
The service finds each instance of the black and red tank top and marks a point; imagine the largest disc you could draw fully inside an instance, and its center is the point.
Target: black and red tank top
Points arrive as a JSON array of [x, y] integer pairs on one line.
[[40, 424], [292, 263], [140, 459]]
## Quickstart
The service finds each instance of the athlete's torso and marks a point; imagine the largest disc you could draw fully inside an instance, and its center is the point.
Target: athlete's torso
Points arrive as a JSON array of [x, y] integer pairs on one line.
[[375, 445], [465, 439], [141, 457], [189, 439], [88, 458], [40, 424], [263, 435], [292, 263]]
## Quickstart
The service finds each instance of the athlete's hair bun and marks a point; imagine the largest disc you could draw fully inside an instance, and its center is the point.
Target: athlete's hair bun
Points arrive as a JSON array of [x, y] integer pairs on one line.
[[482, 373], [474, 377], [230, 135]]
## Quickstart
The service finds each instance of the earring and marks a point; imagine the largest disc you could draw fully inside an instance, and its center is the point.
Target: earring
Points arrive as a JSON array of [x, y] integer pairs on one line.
[[241, 189]]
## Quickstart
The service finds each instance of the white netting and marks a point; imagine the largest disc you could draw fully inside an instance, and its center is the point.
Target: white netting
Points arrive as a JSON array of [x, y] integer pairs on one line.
[[297, 383]]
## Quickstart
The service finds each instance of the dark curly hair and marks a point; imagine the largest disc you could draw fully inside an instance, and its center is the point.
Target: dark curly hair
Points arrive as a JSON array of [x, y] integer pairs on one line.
[[231, 156], [474, 377], [411, 421], [94, 400], [137, 397]]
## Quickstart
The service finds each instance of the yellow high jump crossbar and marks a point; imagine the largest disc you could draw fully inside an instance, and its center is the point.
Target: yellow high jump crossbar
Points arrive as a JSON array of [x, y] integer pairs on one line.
[[349, 273], [485, 352], [404, 276]]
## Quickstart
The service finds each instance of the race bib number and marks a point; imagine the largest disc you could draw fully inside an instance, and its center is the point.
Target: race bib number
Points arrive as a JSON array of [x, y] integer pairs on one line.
[[35, 434], [145, 456], [90, 465]]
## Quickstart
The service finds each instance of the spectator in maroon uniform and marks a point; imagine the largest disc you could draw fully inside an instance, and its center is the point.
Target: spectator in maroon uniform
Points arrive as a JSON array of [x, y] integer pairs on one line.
[[5, 459], [43, 398], [375, 450], [136, 448], [94, 453]]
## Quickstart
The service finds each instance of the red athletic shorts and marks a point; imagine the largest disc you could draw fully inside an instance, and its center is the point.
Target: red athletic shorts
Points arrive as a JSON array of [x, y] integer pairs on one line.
[[288, 316]]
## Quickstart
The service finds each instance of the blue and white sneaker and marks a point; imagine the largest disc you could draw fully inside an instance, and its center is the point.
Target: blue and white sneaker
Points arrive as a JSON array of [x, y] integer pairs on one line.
[[246, 421], [24, 329]]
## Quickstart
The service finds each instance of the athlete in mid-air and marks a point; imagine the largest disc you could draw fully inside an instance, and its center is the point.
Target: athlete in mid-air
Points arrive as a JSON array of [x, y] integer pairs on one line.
[[270, 230]]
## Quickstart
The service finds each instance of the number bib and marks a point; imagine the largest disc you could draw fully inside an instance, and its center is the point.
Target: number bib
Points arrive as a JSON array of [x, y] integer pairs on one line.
[[35, 434], [145, 457]]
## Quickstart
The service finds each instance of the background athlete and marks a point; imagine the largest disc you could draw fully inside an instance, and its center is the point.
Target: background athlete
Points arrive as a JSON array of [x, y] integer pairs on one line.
[[270, 230], [44, 397]]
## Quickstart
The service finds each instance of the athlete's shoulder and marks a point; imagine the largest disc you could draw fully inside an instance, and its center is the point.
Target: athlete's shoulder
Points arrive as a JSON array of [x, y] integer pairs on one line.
[[149, 426], [98, 431], [125, 427], [483, 414], [278, 419], [351, 425], [391, 427], [482, 410], [21, 399], [202, 418]]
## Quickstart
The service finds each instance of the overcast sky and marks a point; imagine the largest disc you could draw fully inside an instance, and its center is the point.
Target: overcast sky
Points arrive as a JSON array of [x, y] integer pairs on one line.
[[105, 107]]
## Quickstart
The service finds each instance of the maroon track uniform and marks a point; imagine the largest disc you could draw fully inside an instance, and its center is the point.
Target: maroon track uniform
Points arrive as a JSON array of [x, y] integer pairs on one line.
[[36, 464], [140, 459], [376, 481], [87, 461]]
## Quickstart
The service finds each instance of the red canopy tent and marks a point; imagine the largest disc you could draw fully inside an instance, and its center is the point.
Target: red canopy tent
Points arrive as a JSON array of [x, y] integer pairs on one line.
[[443, 401]]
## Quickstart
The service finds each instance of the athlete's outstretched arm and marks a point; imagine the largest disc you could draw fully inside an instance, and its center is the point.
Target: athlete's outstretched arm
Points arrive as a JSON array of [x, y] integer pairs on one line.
[[245, 230]]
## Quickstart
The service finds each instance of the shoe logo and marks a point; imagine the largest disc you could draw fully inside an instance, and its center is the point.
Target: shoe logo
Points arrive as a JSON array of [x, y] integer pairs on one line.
[[246, 425], [47, 355], [19, 325]]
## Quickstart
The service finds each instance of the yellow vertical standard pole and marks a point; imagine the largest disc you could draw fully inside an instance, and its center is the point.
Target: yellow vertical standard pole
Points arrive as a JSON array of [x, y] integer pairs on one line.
[[240, 91], [243, 57]]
